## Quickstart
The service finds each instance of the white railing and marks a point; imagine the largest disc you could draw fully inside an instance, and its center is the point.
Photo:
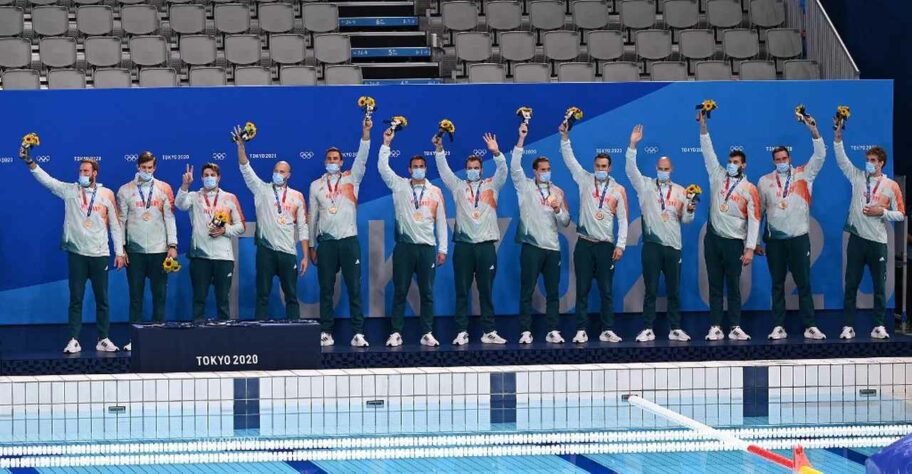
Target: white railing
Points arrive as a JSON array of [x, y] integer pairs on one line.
[[824, 44]]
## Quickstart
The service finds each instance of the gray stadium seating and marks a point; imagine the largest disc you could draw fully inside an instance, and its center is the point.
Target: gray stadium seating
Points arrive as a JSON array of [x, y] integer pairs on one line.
[[342, 75]]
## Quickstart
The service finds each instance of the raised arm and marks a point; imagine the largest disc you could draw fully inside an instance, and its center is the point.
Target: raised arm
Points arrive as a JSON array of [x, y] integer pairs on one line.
[[251, 179], [387, 173], [58, 188], [500, 161], [842, 160], [630, 164], [184, 199], [816, 162], [359, 167], [446, 174], [579, 174], [710, 160], [516, 171]]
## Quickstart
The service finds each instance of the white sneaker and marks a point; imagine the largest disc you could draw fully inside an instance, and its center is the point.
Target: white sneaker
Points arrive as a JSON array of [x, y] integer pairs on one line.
[[428, 340], [678, 335], [646, 335], [847, 333], [461, 339], [359, 341], [326, 339], [128, 347], [738, 334], [814, 333], [778, 333], [525, 338], [72, 347], [492, 338], [715, 334], [554, 337], [395, 340], [880, 332], [609, 336], [105, 345], [580, 338]]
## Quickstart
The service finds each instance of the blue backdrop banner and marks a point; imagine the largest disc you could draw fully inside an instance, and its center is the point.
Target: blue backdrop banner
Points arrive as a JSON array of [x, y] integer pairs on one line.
[[184, 125]]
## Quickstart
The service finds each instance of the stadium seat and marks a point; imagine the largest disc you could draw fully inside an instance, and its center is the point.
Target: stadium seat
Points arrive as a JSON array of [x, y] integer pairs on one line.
[[332, 48], [668, 71], [531, 73], [252, 76], [298, 76], [561, 45], [576, 72], [712, 71], [590, 14], [724, 13], [653, 44], [767, 13], [19, 79], [546, 15], [503, 15], [287, 48], [473, 46], [605, 45], [232, 18], [486, 72], [207, 77], [139, 19], [517, 46], [243, 49], [50, 20], [697, 44], [11, 21], [758, 71], [188, 19], [801, 70], [459, 16], [157, 77], [66, 79], [197, 50], [15, 53], [95, 20], [57, 52], [637, 14], [681, 14], [783, 43], [148, 50], [110, 78], [342, 75], [740, 43], [103, 51], [276, 17], [320, 17], [620, 72], [85, 2]]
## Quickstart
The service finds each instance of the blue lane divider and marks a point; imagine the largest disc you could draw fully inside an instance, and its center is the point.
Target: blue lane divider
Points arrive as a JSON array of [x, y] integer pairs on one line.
[[378, 21], [390, 52]]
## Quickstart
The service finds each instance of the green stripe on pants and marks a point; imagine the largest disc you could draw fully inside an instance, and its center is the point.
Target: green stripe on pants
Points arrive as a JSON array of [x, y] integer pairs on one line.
[[791, 255], [476, 262], [594, 259], [142, 266], [82, 268], [723, 269], [203, 272], [657, 260], [333, 256], [418, 260], [535, 261], [272, 263], [862, 252]]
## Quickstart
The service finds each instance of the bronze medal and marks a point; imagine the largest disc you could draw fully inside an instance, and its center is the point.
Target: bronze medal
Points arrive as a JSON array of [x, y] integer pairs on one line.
[[147, 216], [664, 217], [88, 223], [783, 204], [333, 210], [724, 207], [599, 215], [418, 216], [281, 220], [476, 214]]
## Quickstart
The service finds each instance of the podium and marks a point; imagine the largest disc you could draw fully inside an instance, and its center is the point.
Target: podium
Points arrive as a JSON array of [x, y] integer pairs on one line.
[[231, 346]]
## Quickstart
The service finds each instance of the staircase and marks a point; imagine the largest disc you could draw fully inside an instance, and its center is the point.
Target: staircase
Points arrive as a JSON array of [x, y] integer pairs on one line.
[[388, 43]]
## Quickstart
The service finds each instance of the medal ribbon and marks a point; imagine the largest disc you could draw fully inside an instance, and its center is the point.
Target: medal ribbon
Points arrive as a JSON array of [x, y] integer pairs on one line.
[[603, 194], [91, 203], [210, 209], [276, 193], [151, 191], [417, 197]]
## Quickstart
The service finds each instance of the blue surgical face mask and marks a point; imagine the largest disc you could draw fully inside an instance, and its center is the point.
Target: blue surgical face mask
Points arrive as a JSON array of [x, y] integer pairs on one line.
[[85, 181], [210, 182], [870, 168], [601, 175], [733, 170], [332, 168], [145, 177], [782, 167], [418, 173], [663, 176], [473, 174], [545, 177], [278, 179]]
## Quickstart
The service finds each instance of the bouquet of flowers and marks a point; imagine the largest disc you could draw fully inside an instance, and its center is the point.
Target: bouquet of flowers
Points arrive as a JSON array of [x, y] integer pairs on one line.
[[706, 107], [801, 113], [842, 116], [219, 219], [397, 123], [368, 105], [446, 126], [525, 114], [247, 133], [573, 114], [693, 193], [30, 140], [171, 265]]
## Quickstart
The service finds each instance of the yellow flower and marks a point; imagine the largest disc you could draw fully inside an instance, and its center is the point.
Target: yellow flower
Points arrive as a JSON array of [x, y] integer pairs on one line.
[[250, 130], [694, 189], [365, 101], [402, 121], [709, 105], [447, 126], [31, 139], [222, 217], [524, 110], [843, 111], [575, 112]]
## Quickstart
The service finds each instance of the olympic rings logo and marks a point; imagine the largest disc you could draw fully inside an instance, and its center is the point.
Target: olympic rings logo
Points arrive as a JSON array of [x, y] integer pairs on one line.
[[219, 156], [736, 148], [131, 157], [42, 159], [306, 155], [651, 149], [479, 152], [395, 153]]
